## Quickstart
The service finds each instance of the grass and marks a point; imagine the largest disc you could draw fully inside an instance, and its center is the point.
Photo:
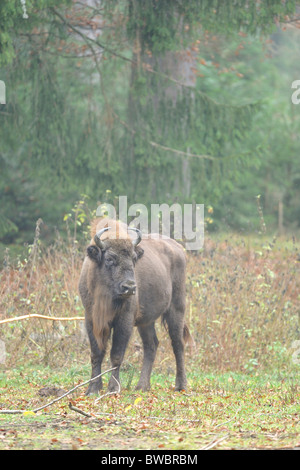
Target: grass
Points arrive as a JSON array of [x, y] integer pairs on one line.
[[243, 311], [223, 411]]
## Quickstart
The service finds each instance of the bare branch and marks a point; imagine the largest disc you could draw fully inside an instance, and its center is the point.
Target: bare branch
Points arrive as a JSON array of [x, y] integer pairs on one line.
[[78, 410], [109, 393], [37, 315], [56, 399], [89, 40], [180, 152], [163, 147], [215, 442]]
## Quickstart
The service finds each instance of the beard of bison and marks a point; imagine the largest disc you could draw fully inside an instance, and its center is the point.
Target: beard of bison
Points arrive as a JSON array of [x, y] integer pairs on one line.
[[108, 299]]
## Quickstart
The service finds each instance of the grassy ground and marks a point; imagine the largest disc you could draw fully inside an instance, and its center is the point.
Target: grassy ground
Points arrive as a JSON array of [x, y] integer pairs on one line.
[[243, 311], [220, 411]]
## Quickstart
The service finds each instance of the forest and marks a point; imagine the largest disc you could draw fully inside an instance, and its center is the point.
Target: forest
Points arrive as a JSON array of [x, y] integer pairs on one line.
[[160, 103]]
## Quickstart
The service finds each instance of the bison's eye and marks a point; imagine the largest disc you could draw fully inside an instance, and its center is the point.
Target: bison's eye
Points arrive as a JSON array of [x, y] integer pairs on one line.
[[110, 261]]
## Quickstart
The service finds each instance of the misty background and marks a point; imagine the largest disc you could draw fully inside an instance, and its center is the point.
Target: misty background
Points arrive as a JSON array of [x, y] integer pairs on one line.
[[161, 101]]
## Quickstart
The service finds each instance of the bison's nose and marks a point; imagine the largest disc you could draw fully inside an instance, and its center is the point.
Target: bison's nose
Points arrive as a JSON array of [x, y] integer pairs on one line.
[[128, 288]]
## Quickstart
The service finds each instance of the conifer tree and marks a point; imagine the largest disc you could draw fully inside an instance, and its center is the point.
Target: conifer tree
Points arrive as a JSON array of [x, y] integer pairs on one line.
[[102, 95]]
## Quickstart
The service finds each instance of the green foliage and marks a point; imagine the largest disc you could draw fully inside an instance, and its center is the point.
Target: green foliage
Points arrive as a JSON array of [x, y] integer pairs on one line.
[[160, 24], [9, 11], [87, 113], [13, 21]]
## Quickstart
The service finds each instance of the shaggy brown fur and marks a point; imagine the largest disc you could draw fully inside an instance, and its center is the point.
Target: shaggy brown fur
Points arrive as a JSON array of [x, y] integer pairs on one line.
[[102, 298], [154, 271], [118, 230]]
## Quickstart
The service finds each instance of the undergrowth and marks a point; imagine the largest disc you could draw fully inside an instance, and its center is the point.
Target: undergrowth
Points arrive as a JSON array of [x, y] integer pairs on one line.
[[242, 307], [220, 411], [243, 375]]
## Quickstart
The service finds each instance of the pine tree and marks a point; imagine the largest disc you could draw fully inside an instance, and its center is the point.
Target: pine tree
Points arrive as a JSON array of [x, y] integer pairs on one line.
[[105, 97]]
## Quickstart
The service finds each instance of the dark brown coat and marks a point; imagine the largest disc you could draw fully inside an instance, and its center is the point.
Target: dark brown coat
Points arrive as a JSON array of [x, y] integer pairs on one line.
[[122, 286]]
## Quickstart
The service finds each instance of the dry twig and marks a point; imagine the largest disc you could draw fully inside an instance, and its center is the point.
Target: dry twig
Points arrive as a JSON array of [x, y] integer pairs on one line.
[[109, 393], [37, 315], [56, 399], [215, 442], [78, 410]]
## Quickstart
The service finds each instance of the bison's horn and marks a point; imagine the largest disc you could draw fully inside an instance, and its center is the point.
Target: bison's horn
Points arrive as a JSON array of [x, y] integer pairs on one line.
[[139, 236], [97, 240]]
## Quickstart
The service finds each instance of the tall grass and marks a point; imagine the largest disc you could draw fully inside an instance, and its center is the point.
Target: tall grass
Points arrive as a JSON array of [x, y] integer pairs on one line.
[[242, 307], [244, 304], [45, 283]]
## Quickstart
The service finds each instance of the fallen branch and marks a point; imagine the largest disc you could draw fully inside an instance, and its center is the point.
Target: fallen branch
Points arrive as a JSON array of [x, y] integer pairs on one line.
[[78, 410], [37, 315], [110, 393], [215, 442], [56, 399]]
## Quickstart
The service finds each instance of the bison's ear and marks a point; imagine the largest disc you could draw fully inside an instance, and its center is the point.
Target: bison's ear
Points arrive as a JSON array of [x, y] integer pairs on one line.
[[94, 253], [139, 251]]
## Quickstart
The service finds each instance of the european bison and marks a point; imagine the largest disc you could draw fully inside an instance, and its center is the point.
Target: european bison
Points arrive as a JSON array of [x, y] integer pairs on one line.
[[128, 282]]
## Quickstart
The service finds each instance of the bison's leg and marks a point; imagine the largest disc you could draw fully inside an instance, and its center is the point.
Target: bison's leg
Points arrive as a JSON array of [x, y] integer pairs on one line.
[[150, 343], [122, 330], [96, 360], [174, 319]]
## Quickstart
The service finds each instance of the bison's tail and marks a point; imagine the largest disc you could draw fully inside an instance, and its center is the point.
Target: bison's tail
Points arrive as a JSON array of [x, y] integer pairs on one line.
[[188, 337]]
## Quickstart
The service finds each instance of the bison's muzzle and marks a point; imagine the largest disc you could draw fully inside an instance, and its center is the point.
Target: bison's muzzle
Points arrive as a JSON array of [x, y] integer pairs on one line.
[[127, 288]]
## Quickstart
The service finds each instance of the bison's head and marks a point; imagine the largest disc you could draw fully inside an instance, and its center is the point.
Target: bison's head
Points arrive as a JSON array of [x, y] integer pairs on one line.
[[116, 259]]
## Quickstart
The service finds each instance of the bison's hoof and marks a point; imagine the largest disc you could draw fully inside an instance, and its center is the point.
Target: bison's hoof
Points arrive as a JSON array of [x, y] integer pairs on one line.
[[89, 393], [180, 388], [143, 388], [93, 390]]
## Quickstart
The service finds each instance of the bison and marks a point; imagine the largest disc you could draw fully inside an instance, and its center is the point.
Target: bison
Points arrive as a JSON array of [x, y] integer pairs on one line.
[[127, 282]]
